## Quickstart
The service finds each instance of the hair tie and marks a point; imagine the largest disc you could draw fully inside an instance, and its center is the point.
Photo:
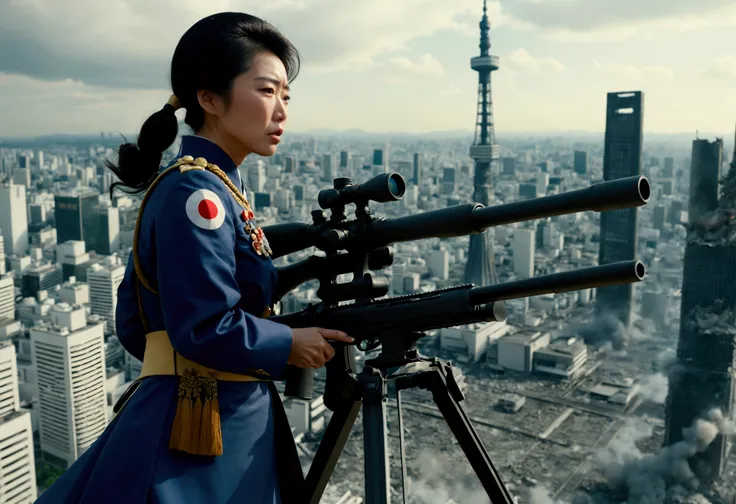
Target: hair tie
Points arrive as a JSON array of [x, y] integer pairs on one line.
[[174, 102]]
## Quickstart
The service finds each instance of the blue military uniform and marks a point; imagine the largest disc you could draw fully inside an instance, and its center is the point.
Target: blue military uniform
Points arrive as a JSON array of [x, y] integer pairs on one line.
[[210, 280]]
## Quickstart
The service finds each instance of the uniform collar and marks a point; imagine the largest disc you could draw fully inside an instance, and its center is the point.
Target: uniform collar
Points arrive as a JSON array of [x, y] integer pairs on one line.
[[197, 146]]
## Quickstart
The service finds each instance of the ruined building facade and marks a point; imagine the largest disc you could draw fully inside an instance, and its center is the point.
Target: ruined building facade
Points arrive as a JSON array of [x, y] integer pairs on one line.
[[704, 377]]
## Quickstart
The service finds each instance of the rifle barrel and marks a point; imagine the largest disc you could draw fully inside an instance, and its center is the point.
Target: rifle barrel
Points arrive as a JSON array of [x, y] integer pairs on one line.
[[595, 276], [472, 218]]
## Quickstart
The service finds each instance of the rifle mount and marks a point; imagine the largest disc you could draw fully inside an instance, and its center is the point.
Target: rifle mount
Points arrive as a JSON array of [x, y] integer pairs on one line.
[[396, 324]]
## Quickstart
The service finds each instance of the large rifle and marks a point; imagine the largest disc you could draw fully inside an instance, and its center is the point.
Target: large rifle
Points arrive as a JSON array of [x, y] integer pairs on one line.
[[396, 324]]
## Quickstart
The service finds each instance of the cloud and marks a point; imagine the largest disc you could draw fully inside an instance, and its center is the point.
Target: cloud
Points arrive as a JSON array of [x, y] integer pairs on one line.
[[451, 91], [129, 43], [722, 68], [521, 61], [635, 73], [426, 64], [582, 16], [71, 106]]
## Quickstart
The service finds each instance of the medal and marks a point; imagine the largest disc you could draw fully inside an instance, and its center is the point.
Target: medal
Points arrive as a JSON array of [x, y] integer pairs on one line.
[[258, 239]]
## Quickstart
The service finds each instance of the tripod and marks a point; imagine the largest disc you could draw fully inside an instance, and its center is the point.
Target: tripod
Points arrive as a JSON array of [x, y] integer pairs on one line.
[[370, 391]]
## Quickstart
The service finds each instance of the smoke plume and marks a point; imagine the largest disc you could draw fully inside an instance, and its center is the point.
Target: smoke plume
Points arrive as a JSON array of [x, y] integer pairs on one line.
[[650, 478]]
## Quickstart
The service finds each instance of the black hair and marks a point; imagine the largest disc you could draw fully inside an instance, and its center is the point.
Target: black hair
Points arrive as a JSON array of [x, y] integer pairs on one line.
[[209, 56]]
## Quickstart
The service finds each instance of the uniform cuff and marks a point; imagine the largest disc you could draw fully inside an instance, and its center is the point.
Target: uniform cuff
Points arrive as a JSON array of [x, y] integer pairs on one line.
[[277, 348]]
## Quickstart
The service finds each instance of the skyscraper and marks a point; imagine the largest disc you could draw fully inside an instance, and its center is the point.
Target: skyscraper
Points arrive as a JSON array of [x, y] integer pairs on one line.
[[417, 168], [580, 162], [344, 160], [104, 280], [70, 364], [706, 349], [77, 217], [17, 472], [2, 254], [524, 248], [622, 157], [479, 269], [705, 173], [108, 236], [378, 157], [14, 218], [328, 167], [7, 297]]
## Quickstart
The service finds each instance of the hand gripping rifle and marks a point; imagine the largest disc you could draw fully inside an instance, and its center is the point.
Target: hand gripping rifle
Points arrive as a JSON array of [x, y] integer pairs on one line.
[[396, 324]]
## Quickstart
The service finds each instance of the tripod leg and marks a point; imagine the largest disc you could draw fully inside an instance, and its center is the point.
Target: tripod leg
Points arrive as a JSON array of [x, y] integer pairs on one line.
[[467, 437], [401, 444], [375, 440], [329, 450]]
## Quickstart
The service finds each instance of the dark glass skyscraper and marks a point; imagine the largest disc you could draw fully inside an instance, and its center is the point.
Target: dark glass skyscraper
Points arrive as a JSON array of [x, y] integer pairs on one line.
[[580, 162], [705, 173], [622, 157], [77, 217]]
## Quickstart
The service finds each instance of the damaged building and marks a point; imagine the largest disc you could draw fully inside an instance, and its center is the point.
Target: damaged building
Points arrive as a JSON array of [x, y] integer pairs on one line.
[[704, 379]]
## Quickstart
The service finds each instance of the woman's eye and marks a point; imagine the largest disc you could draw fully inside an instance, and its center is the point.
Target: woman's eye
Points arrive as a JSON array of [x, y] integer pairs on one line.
[[268, 90]]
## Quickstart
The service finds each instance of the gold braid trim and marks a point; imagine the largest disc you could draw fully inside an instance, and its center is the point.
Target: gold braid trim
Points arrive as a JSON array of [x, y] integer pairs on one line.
[[136, 233], [184, 163]]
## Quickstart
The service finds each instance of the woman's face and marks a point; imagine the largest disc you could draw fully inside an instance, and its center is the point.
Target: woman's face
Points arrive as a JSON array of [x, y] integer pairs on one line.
[[256, 115]]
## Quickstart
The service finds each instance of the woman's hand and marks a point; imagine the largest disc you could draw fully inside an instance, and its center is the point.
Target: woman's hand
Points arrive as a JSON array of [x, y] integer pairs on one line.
[[310, 348]]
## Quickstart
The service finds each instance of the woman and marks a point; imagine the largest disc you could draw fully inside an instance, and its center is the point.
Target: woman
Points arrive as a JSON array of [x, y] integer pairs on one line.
[[204, 423]]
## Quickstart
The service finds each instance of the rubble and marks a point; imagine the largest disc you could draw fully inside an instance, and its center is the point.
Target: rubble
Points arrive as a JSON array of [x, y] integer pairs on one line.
[[565, 461], [718, 228], [715, 318]]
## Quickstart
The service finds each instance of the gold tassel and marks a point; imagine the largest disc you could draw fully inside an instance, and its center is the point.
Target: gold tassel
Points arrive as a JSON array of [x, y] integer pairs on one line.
[[181, 430], [196, 428], [210, 434]]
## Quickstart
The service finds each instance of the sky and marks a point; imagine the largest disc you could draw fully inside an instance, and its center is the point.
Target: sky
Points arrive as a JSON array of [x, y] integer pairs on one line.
[[83, 66]]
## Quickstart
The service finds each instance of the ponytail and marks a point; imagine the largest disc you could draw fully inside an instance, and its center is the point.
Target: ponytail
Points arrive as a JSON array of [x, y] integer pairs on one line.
[[139, 164]]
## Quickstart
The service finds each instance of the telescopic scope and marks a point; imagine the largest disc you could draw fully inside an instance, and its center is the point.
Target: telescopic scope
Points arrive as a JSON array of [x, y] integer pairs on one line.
[[381, 189]]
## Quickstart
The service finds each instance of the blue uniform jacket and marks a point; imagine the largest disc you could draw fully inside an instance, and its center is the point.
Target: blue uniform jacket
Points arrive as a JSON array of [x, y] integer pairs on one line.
[[212, 288]]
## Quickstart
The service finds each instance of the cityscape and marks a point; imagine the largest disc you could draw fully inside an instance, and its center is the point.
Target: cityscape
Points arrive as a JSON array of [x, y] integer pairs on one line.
[[616, 394]]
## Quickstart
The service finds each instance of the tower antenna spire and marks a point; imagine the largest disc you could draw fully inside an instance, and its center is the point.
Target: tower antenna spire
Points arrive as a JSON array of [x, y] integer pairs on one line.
[[480, 269]]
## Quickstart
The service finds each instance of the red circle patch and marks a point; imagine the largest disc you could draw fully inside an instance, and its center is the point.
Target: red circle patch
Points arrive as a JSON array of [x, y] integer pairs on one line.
[[207, 209]]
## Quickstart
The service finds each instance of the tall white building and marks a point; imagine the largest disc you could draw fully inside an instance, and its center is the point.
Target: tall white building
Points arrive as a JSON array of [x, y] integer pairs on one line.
[[69, 356], [2, 254], [7, 297], [109, 239], [523, 246], [9, 400], [14, 218], [256, 177], [328, 167], [542, 183], [104, 280], [439, 264], [283, 199], [17, 471]]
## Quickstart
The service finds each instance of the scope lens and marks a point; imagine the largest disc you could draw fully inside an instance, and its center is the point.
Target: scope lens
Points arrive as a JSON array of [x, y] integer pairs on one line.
[[395, 187]]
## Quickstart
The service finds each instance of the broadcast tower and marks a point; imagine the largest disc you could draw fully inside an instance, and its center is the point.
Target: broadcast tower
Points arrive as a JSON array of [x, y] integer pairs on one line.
[[480, 270]]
